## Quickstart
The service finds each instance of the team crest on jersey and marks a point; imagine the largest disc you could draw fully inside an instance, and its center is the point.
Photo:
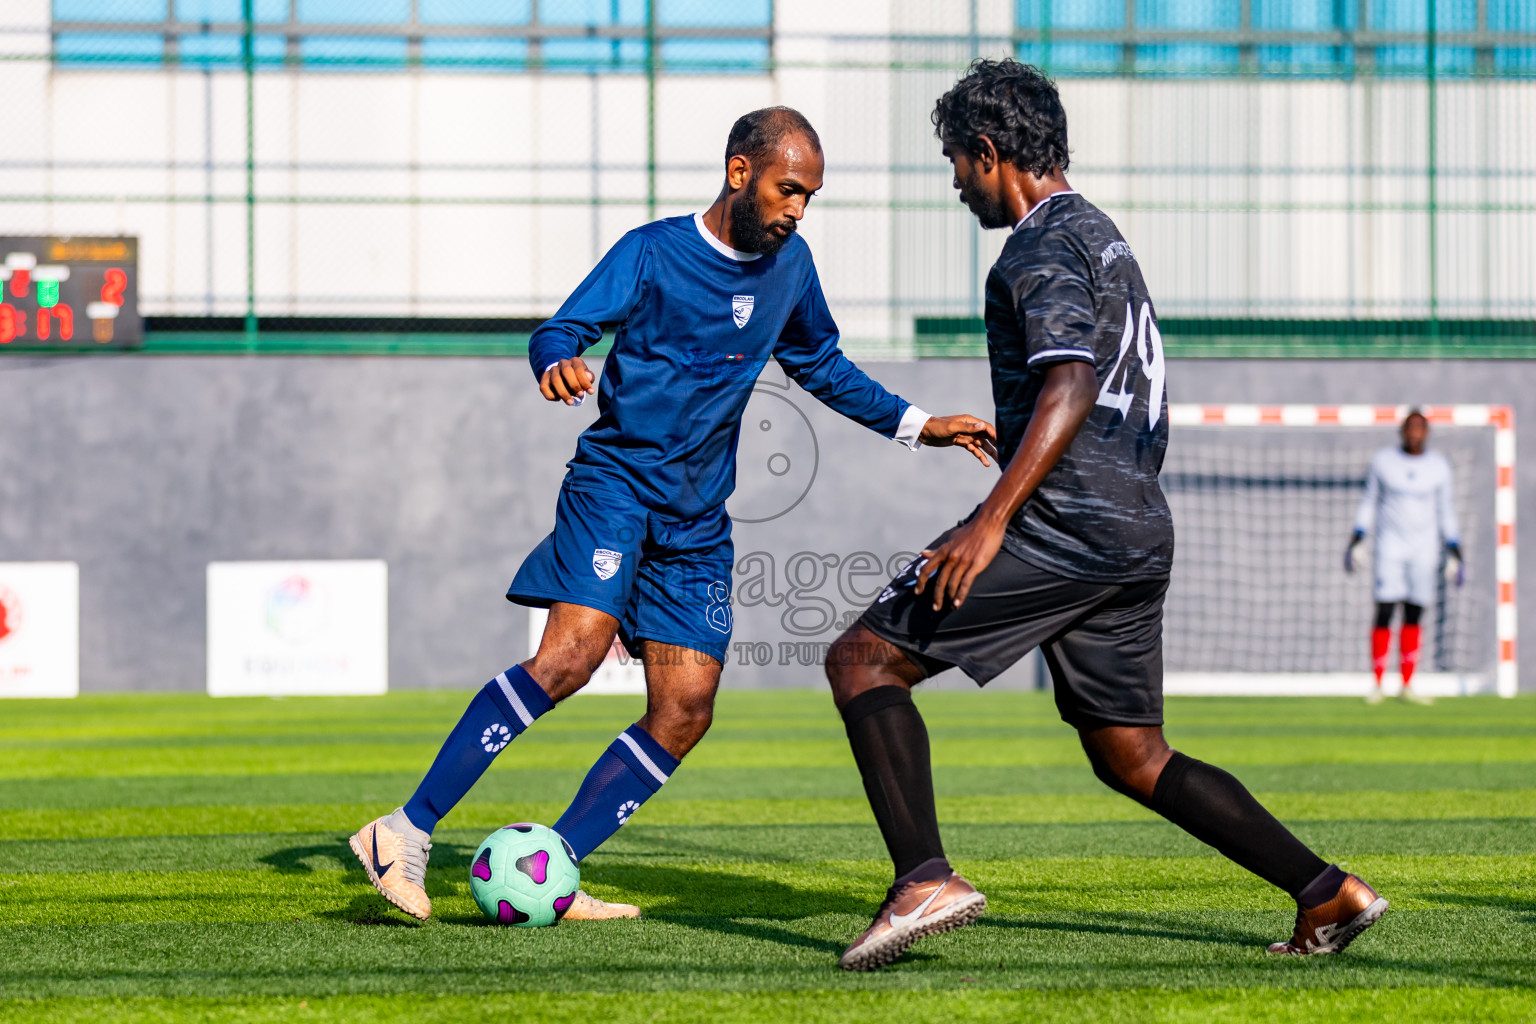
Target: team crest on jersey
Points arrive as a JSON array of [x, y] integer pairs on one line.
[[741, 308], [605, 563]]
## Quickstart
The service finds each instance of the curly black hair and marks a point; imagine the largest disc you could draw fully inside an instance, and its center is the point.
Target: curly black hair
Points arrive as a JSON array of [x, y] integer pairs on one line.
[[1013, 104]]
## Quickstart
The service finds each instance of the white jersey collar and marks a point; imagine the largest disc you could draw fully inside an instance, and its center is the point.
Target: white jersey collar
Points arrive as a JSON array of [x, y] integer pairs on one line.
[[719, 246], [1032, 209]]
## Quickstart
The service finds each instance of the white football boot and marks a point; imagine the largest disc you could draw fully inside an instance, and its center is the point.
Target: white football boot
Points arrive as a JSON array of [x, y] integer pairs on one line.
[[394, 853], [588, 908]]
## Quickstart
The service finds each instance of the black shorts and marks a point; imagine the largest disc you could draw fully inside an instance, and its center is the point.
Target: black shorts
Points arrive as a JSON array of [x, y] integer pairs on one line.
[[1103, 642]]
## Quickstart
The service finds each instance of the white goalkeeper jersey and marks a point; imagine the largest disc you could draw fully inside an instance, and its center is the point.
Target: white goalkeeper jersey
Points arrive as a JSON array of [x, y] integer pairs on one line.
[[1409, 503]]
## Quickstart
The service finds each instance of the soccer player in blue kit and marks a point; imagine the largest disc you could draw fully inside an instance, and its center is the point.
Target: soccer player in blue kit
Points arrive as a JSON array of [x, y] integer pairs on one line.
[[642, 542]]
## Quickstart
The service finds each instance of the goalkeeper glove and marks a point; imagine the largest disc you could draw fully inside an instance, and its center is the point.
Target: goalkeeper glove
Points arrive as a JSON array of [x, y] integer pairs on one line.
[[1453, 550], [1349, 552]]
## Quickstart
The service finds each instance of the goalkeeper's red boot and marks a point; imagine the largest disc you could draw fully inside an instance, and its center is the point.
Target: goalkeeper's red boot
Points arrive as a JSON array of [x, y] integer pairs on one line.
[[1329, 927]]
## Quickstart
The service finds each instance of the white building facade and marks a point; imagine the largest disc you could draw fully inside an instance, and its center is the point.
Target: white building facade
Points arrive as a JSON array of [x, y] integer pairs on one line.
[[414, 158]]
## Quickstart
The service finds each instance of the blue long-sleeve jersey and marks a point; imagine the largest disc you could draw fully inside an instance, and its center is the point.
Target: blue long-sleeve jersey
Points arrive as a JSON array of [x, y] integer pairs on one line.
[[693, 328]]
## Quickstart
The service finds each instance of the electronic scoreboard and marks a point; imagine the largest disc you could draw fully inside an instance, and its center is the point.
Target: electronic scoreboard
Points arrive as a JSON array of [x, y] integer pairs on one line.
[[69, 292]]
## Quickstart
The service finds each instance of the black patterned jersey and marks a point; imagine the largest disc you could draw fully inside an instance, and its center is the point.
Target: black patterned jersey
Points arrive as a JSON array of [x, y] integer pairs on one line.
[[1067, 287]]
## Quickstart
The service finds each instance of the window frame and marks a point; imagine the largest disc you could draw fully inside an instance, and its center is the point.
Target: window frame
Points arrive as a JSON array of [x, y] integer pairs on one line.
[[1358, 49], [415, 32]]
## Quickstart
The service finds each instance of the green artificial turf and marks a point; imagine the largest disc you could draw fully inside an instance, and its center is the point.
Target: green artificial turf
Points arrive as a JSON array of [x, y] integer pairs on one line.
[[171, 858]]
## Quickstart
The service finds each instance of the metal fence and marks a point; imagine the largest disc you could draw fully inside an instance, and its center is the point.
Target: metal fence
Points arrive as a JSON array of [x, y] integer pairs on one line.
[[1326, 170]]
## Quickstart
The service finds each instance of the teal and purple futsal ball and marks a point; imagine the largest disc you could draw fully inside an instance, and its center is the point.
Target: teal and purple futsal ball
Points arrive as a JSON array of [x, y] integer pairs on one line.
[[524, 875]]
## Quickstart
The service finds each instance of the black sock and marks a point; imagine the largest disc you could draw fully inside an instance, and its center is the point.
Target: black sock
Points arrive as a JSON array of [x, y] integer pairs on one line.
[[1216, 809], [1322, 888], [935, 869], [890, 745]]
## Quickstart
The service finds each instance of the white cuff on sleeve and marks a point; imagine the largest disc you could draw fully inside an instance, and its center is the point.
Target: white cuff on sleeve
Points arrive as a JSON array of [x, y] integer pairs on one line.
[[910, 431], [551, 366]]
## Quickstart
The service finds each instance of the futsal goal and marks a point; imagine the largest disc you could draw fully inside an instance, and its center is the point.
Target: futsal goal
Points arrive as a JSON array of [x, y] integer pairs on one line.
[[1264, 499]]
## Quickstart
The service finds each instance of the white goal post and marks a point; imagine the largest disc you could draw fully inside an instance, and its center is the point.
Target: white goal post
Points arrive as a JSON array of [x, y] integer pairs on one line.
[[1280, 462]]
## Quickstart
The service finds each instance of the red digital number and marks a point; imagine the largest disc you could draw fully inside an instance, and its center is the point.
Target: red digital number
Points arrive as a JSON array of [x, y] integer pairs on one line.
[[20, 279], [13, 323], [63, 314], [116, 284]]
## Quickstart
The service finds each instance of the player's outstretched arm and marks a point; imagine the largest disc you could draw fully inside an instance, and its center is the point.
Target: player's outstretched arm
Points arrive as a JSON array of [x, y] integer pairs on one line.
[[972, 433], [808, 351], [1065, 401]]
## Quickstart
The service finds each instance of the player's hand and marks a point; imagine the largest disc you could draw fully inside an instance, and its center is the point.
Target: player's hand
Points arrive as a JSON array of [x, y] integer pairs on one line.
[[959, 560], [568, 381], [975, 435], [1349, 552], [1454, 551]]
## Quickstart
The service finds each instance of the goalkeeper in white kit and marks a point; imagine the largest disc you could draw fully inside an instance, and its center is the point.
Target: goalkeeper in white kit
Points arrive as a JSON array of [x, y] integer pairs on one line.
[[1409, 503]]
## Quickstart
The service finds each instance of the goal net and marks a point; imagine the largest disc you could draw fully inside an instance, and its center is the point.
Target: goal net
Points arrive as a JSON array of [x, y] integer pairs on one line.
[[1264, 499]]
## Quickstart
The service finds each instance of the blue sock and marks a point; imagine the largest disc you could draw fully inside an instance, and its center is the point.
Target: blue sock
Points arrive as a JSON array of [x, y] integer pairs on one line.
[[502, 709], [632, 768]]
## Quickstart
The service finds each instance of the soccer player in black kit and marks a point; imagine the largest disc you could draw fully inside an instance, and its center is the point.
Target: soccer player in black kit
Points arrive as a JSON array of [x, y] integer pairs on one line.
[[1069, 553]]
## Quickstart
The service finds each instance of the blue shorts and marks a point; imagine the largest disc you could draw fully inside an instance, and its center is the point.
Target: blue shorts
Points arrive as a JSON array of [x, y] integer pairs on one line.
[[664, 580]]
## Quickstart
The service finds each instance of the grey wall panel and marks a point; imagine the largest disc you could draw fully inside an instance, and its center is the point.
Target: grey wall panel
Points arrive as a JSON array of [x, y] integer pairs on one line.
[[143, 469]]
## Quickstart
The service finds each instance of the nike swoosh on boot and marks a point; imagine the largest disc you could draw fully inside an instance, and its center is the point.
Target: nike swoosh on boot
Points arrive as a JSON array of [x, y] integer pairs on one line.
[[379, 869], [902, 920]]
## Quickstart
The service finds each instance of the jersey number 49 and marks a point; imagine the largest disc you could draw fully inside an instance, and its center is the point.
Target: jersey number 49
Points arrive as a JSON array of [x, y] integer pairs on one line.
[[1119, 389]]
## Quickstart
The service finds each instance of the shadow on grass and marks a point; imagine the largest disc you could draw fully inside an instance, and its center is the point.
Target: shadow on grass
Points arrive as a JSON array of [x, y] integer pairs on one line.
[[757, 929], [1522, 904], [295, 860], [368, 908], [736, 905], [371, 909], [724, 903], [684, 891], [1131, 927]]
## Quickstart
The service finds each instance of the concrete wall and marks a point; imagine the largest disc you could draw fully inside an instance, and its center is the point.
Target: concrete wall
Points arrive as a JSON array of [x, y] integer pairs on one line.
[[143, 469]]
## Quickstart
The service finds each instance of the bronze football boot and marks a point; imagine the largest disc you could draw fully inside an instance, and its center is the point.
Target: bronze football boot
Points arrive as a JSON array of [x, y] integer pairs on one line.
[[911, 912], [1329, 927]]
